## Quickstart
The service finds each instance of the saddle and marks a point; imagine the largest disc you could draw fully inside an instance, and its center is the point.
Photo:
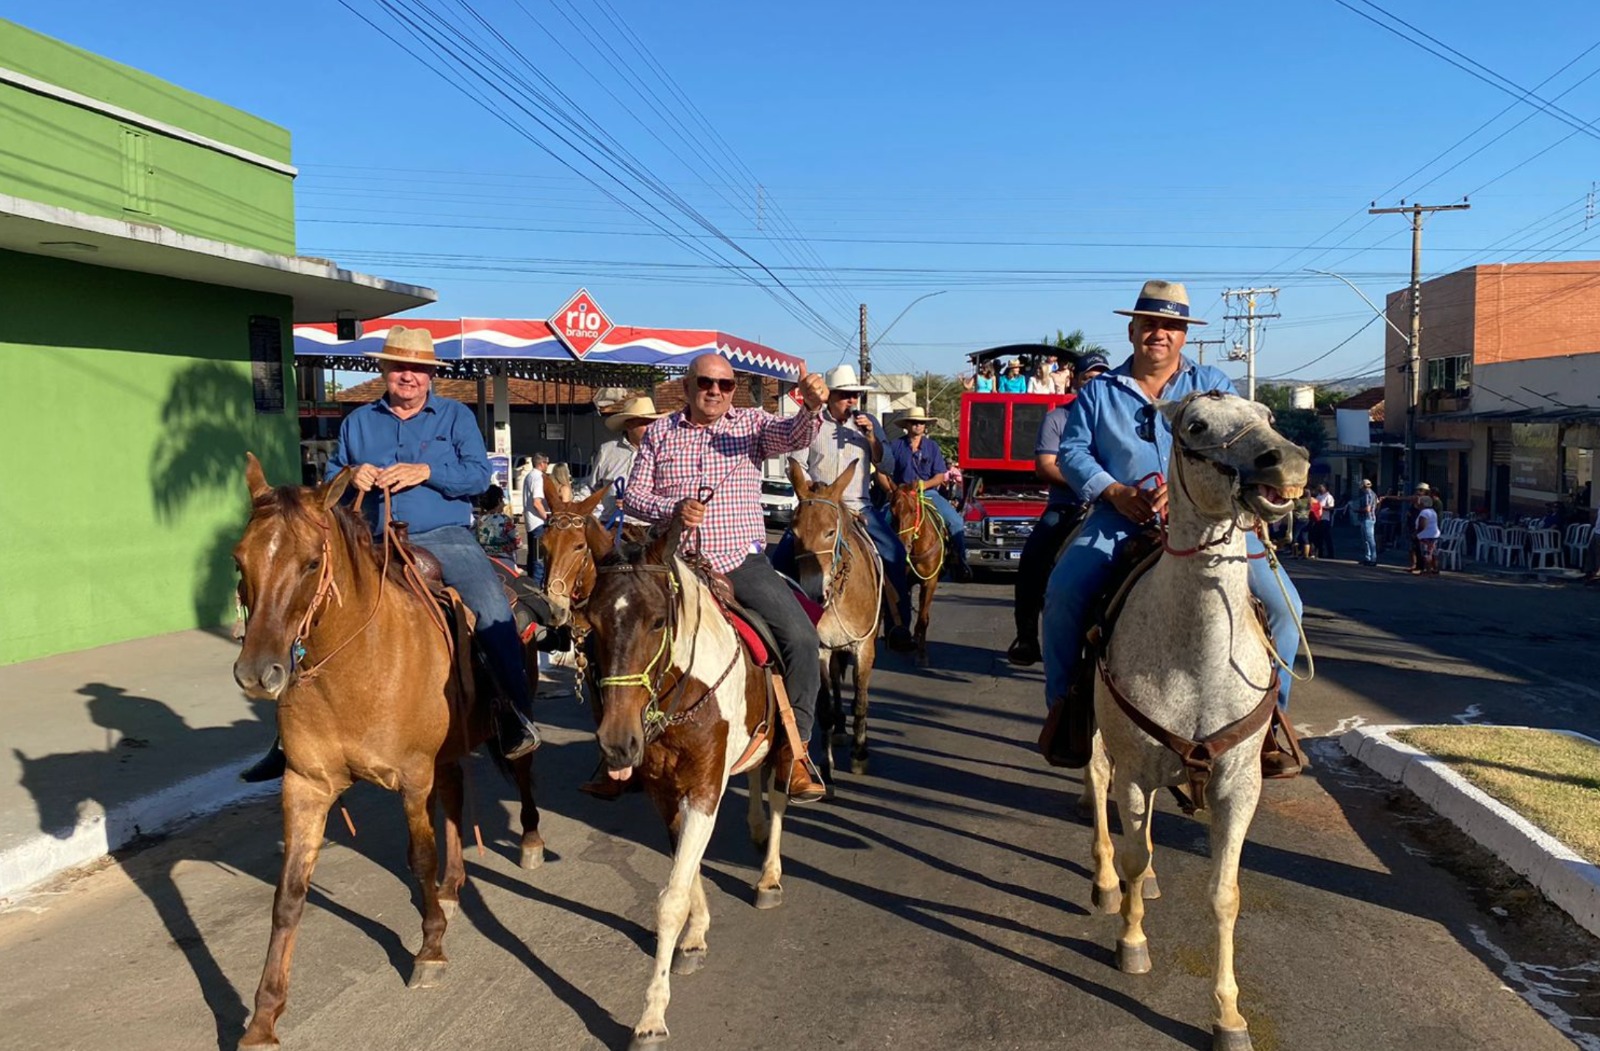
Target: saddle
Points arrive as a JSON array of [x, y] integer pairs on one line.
[[1067, 738]]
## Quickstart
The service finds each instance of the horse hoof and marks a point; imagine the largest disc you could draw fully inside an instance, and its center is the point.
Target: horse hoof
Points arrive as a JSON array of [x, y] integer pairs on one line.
[[1133, 959], [654, 1037], [1106, 900], [1230, 1039], [533, 857], [247, 1044], [1151, 889], [426, 974], [769, 897], [449, 908], [922, 660], [827, 788], [858, 766], [688, 961]]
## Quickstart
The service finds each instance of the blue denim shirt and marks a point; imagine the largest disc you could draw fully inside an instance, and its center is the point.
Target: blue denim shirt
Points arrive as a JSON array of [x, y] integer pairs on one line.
[[1101, 444], [444, 435], [903, 466]]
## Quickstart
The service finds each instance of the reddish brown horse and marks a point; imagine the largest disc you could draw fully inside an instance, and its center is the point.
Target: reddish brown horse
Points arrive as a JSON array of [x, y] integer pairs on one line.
[[922, 531], [367, 689], [571, 534]]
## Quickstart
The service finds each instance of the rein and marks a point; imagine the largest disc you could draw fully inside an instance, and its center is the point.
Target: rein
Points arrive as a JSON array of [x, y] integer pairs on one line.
[[914, 532]]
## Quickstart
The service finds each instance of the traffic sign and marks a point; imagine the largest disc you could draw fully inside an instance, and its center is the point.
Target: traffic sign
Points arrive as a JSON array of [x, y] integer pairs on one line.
[[580, 324]]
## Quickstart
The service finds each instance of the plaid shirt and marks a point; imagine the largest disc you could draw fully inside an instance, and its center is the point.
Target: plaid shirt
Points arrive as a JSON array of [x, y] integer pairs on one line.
[[677, 458]]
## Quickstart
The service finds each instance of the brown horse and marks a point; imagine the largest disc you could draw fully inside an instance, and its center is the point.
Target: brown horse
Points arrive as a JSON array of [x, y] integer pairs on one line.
[[839, 568], [367, 689], [683, 703], [922, 531], [571, 534]]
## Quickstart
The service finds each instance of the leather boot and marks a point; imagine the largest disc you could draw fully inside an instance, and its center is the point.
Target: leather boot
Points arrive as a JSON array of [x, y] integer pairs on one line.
[[1024, 652], [513, 727], [793, 776], [269, 767]]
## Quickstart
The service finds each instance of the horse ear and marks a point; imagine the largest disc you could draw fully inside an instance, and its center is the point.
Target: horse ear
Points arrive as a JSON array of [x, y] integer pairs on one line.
[[332, 491], [1170, 409], [841, 483], [254, 478], [797, 477], [665, 547], [587, 505], [556, 497]]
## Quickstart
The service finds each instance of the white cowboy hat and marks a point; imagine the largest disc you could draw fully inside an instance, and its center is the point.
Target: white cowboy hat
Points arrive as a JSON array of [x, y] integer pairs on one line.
[[842, 379], [414, 346], [637, 408], [916, 415], [1167, 299], [1366, 483]]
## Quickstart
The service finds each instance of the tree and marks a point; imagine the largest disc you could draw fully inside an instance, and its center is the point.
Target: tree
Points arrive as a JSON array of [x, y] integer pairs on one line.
[[1074, 343], [1301, 426]]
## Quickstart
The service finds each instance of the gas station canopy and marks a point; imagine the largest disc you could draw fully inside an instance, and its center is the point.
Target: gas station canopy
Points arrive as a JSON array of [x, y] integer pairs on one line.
[[530, 347]]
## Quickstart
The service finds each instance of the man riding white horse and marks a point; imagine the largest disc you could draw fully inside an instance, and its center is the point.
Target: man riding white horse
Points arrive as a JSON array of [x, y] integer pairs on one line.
[[848, 435], [1114, 451], [702, 466]]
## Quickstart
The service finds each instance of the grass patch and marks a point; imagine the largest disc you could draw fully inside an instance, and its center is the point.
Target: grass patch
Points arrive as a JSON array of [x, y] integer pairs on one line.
[[1551, 779]]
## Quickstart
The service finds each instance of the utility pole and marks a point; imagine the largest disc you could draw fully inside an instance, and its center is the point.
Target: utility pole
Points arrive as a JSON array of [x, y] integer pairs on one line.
[[1200, 346], [866, 351], [1250, 317], [1414, 355]]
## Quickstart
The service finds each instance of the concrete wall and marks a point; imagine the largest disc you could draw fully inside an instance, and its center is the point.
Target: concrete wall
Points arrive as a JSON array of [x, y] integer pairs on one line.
[[122, 492], [1571, 380], [75, 157]]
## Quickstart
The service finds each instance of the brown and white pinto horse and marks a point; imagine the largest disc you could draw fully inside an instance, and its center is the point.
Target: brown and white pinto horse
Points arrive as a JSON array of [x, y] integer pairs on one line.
[[368, 690], [921, 529], [839, 568], [681, 704]]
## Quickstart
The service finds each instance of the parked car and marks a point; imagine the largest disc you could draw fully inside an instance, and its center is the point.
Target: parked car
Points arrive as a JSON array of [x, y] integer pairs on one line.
[[777, 503]]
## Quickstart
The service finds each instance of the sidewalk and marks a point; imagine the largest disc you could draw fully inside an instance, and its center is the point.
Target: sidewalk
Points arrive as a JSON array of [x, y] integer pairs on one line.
[[108, 744]]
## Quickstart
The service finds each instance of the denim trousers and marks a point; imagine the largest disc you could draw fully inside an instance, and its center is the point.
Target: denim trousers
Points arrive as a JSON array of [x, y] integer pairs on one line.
[[467, 569], [1369, 540], [1081, 573], [953, 525], [535, 566], [1033, 569], [890, 550], [757, 585]]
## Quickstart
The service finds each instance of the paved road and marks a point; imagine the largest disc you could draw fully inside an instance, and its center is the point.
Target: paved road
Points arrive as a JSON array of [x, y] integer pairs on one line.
[[939, 902]]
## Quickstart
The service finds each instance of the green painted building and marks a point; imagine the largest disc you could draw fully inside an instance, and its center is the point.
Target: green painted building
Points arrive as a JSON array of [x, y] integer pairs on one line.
[[148, 288]]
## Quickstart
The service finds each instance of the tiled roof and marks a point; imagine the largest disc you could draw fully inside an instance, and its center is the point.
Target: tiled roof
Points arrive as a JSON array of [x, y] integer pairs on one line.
[[1370, 399]]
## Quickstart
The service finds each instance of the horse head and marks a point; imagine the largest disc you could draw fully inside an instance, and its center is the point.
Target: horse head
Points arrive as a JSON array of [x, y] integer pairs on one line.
[[1250, 467], [636, 625], [289, 565], [820, 523], [573, 540]]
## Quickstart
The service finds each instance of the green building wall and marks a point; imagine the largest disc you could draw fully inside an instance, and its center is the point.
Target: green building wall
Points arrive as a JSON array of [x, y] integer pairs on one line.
[[58, 153], [130, 403]]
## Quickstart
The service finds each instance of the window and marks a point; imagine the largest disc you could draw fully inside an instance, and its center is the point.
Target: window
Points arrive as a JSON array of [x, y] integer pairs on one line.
[[1450, 374]]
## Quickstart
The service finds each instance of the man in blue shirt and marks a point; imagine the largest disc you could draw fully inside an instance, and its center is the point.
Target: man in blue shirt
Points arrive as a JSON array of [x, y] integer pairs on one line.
[[1064, 510], [915, 457], [1114, 440], [1366, 509], [427, 453]]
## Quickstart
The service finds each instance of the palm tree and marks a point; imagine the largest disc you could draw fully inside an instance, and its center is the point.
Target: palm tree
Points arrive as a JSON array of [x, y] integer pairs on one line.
[[1074, 343]]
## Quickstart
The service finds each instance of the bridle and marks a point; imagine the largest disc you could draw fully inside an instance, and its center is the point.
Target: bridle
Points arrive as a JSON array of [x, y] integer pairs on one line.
[[910, 534], [1242, 517], [568, 571], [839, 563]]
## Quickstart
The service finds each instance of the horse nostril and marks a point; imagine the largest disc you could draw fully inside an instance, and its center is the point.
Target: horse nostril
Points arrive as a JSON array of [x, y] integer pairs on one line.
[[273, 678], [1269, 459]]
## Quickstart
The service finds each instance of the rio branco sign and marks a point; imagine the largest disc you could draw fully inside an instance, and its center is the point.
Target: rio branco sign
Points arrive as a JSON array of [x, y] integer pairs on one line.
[[580, 324]]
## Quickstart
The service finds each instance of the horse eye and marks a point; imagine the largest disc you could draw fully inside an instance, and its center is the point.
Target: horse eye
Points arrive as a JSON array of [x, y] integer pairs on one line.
[[660, 623], [1197, 427], [314, 565]]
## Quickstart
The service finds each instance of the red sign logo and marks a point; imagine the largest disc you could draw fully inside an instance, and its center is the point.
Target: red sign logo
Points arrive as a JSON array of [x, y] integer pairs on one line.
[[581, 324]]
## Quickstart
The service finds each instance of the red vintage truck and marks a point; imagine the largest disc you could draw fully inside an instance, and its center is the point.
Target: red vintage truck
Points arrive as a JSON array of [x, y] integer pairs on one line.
[[1003, 497]]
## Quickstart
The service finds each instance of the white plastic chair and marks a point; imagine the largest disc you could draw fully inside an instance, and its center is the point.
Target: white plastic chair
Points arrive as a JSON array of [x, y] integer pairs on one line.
[[1448, 551], [1546, 550], [1578, 534], [1491, 542], [1516, 547]]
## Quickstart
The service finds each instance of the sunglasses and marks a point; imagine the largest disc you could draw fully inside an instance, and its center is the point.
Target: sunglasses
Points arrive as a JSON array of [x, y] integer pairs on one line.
[[1145, 423], [725, 385]]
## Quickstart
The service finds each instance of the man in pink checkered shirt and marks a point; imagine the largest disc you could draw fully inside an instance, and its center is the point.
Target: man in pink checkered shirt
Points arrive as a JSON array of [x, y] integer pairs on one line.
[[703, 466]]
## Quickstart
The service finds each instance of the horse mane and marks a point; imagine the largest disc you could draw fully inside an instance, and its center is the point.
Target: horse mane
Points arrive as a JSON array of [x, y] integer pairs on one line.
[[295, 503]]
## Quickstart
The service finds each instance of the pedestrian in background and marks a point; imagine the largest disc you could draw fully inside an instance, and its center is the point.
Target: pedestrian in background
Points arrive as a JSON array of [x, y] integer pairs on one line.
[[534, 512], [1427, 537], [1013, 382], [1301, 543], [1041, 380], [496, 532], [1322, 530], [1366, 511]]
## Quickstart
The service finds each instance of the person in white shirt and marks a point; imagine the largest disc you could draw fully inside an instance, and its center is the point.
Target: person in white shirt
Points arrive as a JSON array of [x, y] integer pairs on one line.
[[534, 513], [1427, 536], [613, 462], [1041, 381]]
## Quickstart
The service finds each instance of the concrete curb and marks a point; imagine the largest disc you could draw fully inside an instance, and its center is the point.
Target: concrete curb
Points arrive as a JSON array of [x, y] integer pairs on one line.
[[1567, 880], [99, 832]]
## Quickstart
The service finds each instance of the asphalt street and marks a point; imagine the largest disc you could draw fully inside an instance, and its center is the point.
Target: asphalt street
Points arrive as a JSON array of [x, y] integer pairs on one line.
[[939, 901]]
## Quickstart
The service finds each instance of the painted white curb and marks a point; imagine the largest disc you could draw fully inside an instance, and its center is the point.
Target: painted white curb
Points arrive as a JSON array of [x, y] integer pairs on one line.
[[99, 832], [1566, 879]]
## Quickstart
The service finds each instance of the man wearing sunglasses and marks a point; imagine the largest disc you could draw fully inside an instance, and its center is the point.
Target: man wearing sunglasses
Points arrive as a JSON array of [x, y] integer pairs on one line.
[[1113, 442], [702, 466]]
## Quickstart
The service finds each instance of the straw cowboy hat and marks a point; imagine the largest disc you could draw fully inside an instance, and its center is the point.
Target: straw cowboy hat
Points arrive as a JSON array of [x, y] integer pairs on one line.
[[624, 413], [916, 415], [842, 379], [412, 346], [1167, 299]]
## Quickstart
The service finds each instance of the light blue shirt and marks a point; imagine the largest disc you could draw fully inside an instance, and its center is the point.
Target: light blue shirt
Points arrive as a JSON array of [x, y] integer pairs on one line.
[[444, 435], [1101, 443]]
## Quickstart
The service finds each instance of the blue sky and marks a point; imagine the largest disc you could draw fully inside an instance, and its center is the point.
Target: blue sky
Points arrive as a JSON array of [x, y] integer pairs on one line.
[[1031, 161]]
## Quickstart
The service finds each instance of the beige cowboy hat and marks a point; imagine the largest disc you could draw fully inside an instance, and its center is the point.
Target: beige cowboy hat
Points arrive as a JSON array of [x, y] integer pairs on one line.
[[842, 379], [1424, 487], [916, 415], [413, 346], [637, 408], [1167, 299], [608, 399]]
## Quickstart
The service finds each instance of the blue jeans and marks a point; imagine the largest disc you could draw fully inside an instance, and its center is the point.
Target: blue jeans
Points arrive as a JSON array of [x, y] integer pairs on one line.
[[1369, 538], [1033, 568], [467, 569], [1081, 573], [535, 566], [890, 550]]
